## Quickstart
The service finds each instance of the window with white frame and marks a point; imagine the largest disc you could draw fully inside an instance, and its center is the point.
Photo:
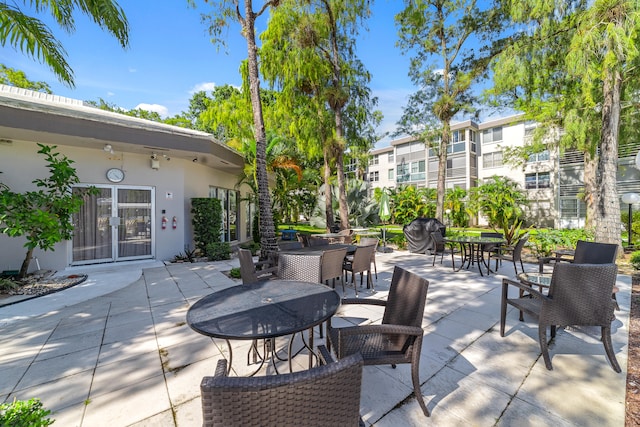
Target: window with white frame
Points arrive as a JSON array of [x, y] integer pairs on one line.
[[374, 160], [230, 200], [492, 160], [390, 176], [390, 157], [543, 156], [492, 135], [473, 140], [374, 176], [537, 180]]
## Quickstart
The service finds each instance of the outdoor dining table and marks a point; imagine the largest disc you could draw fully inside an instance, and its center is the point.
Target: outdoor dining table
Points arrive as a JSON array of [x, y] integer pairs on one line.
[[472, 249], [305, 263], [265, 311]]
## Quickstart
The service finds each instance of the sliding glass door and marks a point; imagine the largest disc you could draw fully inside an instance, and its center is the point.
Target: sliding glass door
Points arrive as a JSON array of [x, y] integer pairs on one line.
[[113, 225]]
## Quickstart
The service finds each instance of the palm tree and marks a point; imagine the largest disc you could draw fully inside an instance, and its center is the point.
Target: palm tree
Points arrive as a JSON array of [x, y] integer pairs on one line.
[[31, 36]]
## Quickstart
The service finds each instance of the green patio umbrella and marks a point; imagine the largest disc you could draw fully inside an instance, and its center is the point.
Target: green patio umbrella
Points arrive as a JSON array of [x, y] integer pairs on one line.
[[384, 213]]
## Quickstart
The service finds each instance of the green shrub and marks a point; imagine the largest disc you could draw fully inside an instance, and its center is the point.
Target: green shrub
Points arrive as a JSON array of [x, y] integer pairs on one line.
[[635, 260], [218, 251], [235, 273], [399, 240], [544, 242], [207, 222], [254, 247], [22, 413], [7, 285]]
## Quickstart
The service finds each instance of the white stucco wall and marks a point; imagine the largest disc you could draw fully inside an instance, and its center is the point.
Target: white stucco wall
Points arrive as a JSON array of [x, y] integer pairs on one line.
[[175, 183]]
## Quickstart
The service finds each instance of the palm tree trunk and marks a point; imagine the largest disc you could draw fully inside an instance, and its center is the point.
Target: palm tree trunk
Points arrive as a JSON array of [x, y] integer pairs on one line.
[[328, 194], [590, 189], [267, 228], [608, 205]]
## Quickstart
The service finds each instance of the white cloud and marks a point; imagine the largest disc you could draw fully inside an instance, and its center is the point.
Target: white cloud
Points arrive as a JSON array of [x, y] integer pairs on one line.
[[110, 94], [160, 109], [133, 70], [206, 86]]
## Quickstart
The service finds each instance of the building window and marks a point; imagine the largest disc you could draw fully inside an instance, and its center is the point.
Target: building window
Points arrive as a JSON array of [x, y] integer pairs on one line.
[[492, 135], [374, 160], [351, 166], [230, 199], [409, 172], [390, 158], [473, 140], [492, 160], [539, 157], [537, 180], [390, 175], [374, 176]]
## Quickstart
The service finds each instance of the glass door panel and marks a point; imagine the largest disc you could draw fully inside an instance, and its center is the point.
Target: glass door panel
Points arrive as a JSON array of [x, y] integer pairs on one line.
[[92, 237], [134, 229]]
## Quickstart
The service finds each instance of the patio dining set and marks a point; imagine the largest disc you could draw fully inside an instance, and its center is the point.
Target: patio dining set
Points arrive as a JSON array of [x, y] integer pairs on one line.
[[298, 293]]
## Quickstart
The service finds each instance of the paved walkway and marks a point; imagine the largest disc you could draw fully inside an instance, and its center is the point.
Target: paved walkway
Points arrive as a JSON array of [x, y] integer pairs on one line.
[[123, 355]]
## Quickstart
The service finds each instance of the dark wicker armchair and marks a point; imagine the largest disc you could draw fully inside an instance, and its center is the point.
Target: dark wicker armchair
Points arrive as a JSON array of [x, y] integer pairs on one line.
[[586, 253], [514, 255], [331, 266], [398, 339], [366, 241], [579, 294], [328, 395], [442, 248], [250, 272], [360, 263]]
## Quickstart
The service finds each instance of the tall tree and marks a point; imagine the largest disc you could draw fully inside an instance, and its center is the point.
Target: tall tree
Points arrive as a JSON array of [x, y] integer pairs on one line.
[[442, 35], [226, 11], [581, 80], [309, 50], [31, 36]]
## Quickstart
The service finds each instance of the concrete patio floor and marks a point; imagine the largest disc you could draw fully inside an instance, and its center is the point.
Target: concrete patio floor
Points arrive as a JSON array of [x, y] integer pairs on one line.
[[116, 351]]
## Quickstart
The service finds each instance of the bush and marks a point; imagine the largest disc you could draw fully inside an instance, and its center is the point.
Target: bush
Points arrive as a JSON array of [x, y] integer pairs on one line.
[[22, 413], [235, 273], [207, 222], [635, 260], [218, 251], [254, 247]]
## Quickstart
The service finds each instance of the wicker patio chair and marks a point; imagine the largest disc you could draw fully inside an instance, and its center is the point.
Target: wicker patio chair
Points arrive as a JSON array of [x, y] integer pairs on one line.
[[515, 255], [398, 339], [345, 236], [251, 272], [360, 263], [305, 267], [492, 248], [331, 266], [586, 253], [366, 241], [589, 253], [441, 248], [579, 295], [328, 395]]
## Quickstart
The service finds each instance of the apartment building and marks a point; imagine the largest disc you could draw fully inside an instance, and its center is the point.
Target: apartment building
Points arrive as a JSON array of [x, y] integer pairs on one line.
[[476, 153]]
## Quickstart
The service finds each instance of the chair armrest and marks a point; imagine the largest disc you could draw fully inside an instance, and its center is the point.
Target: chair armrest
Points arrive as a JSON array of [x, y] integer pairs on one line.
[[221, 368], [325, 355], [364, 301], [526, 288], [385, 329]]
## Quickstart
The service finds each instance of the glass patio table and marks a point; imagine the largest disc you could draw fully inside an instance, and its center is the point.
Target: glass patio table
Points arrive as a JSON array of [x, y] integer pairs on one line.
[[265, 310], [472, 251]]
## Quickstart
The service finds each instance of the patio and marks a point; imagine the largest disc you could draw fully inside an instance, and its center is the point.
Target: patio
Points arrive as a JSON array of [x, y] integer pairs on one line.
[[128, 358]]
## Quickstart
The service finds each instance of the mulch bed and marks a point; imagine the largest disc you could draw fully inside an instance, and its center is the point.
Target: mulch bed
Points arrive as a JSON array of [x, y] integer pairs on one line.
[[40, 284]]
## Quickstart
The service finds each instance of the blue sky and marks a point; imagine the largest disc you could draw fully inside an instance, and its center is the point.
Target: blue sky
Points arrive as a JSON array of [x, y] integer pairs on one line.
[[171, 56]]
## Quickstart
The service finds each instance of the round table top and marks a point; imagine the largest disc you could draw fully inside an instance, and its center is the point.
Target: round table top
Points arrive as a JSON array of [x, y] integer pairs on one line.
[[318, 250], [326, 235], [266, 309], [475, 239]]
